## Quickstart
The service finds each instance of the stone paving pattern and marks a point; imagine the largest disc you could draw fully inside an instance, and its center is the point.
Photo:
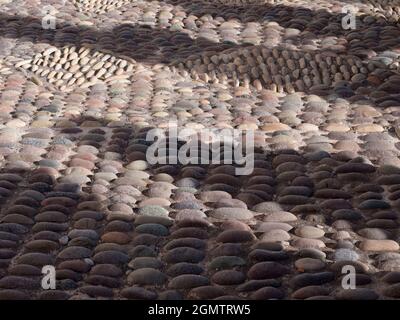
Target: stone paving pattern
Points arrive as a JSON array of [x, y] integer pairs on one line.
[[76, 190]]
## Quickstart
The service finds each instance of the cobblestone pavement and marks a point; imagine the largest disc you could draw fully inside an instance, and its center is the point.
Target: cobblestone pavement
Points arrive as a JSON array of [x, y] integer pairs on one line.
[[77, 190]]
